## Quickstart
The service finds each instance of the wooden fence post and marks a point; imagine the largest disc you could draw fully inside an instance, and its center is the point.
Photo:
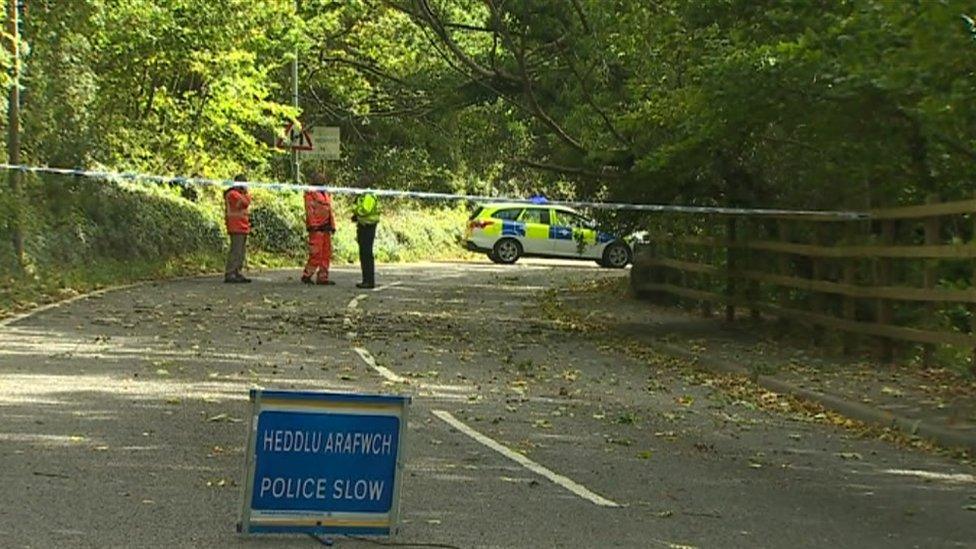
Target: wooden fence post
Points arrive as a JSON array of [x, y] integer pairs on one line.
[[708, 256], [752, 231], [883, 278], [783, 269], [819, 268], [657, 274], [730, 265], [849, 306], [972, 308], [931, 278], [681, 254]]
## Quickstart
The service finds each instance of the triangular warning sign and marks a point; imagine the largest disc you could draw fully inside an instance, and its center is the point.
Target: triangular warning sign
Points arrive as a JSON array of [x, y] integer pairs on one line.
[[294, 139]]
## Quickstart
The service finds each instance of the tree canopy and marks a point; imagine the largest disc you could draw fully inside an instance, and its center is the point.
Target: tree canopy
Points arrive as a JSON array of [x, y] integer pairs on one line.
[[786, 103]]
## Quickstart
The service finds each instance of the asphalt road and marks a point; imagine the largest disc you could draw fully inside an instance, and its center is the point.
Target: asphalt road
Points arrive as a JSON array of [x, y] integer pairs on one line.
[[123, 424]]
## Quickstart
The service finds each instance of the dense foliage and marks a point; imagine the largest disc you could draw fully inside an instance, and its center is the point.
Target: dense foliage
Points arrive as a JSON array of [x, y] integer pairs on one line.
[[834, 104], [828, 103]]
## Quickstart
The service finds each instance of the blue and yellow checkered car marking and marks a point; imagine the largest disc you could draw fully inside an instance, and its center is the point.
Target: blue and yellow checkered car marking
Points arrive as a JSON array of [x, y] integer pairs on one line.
[[537, 231], [513, 228], [560, 233], [588, 236]]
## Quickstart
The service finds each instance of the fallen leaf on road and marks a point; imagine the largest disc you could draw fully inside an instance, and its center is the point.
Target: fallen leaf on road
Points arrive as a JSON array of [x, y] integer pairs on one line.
[[542, 424], [619, 441], [849, 455], [50, 475], [645, 455], [627, 418], [162, 372], [224, 417], [893, 392], [173, 400]]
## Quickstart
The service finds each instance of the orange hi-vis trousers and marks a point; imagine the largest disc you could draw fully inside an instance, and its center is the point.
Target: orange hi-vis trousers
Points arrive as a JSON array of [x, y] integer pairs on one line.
[[319, 255]]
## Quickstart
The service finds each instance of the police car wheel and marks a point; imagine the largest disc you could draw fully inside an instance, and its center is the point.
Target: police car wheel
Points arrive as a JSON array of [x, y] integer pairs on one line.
[[493, 257], [507, 250], [616, 256]]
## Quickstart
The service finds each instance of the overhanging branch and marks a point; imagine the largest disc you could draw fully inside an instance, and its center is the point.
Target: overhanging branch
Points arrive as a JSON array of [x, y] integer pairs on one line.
[[567, 170]]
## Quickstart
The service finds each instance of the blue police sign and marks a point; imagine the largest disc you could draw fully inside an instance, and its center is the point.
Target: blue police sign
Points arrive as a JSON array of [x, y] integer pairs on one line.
[[323, 463]]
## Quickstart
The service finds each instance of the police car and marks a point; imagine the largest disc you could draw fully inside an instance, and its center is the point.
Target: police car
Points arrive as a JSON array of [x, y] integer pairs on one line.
[[507, 232]]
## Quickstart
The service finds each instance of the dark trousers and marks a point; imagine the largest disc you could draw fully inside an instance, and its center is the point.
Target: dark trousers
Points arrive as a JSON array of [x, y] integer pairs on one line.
[[236, 257], [365, 235]]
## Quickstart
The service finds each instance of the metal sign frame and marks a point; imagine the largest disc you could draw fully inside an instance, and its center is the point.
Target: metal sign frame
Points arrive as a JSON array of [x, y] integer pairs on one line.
[[320, 136], [302, 135], [322, 522]]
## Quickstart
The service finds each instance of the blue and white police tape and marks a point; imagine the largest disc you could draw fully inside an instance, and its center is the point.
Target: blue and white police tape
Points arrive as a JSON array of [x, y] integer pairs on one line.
[[425, 195]]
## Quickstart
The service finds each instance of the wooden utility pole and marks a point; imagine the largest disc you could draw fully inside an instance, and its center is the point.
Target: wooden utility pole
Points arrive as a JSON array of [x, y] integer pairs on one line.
[[13, 126]]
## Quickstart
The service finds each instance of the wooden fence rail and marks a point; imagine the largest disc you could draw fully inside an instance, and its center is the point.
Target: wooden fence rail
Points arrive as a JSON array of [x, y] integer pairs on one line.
[[904, 276]]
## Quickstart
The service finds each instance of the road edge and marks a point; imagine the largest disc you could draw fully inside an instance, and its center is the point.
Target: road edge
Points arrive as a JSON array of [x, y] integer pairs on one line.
[[854, 410], [13, 319]]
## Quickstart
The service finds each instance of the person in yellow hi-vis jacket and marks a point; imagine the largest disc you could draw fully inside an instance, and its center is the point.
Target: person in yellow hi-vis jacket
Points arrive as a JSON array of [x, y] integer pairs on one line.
[[366, 215]]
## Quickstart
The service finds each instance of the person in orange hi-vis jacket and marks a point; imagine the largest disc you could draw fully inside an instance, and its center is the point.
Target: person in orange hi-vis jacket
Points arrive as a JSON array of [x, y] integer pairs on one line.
[[320, 221], [237, 201]]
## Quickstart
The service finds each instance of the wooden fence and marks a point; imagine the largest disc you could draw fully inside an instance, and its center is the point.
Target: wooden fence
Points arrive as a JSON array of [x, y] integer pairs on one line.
[[904, 277]]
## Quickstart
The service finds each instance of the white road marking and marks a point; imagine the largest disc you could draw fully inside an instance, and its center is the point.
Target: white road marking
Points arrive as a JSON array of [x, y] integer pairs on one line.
[[929, 475], [383, 371], [354, 303], [387, 286], [565, 482], [350, 309]]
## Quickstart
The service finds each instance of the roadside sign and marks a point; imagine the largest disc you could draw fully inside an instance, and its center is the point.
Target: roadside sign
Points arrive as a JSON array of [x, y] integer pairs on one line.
[[325, 143], [294, 138], [323, 463]]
